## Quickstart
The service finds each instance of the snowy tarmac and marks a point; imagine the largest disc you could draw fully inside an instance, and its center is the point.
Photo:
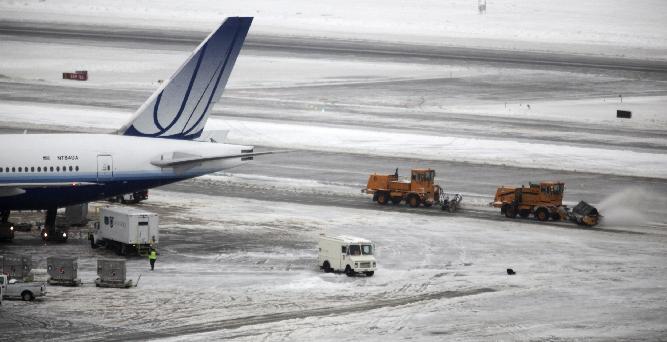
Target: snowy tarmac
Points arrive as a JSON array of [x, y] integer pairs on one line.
[[238, 248]]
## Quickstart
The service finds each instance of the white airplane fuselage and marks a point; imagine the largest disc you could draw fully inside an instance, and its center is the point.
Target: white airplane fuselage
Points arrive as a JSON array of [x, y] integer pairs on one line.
[[98, 166]]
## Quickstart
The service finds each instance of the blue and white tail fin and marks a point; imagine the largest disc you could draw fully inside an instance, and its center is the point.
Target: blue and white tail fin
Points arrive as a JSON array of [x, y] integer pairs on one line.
[[180, 108]]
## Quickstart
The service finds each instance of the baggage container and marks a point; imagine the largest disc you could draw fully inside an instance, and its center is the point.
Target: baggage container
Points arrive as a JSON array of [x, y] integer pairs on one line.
[[62, 271], [112, 273], [17, 266]]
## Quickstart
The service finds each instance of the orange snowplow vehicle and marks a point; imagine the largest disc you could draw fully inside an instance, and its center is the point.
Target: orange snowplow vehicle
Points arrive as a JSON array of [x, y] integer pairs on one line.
[[419, 190], [543, 201]]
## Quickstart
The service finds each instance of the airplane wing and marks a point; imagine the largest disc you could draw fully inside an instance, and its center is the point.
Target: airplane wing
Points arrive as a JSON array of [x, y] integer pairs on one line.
[[189, 159], [15, 189]]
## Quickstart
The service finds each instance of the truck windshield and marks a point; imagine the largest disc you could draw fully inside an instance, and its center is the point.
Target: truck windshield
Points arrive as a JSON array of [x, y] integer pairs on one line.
[[354, 250], [367, 249]]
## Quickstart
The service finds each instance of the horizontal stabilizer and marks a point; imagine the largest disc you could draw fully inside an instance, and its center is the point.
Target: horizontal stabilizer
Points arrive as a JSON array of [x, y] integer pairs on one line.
[[182, 161]]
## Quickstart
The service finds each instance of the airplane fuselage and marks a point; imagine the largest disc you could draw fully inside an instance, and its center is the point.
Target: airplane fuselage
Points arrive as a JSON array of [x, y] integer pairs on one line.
[[97, 165]]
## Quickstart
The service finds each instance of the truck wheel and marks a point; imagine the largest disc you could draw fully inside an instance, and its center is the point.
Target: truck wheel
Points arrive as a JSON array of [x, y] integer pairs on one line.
[[27, 296], [524, 213], [396, 200], [413, 201], [326, 267], [348, 271], [383, 198], [369, 273], [542, 214], [511, 211]]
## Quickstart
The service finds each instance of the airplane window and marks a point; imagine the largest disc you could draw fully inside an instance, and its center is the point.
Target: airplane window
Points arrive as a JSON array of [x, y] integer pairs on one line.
[[39, 169], [70, 168], [51, 168], [57, 168], [1, 169], [46, 168], [32, 169], [64, 168], [76, 168], [26, 169], [20, 169], [13, 169]]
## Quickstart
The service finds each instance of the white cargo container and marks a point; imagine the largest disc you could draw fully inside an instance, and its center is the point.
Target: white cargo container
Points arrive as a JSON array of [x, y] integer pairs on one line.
[[126, 230], [347, 254]]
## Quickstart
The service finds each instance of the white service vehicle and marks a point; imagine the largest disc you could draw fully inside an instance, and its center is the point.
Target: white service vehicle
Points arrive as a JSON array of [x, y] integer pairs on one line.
[[17, 289], [347, 254], [126, 230]]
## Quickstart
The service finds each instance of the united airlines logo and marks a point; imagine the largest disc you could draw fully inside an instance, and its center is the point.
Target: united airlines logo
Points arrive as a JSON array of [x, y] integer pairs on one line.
[[180, 109]]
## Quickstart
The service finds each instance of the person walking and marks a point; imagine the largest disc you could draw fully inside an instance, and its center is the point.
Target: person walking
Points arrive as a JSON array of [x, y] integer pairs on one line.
[[152, 256]]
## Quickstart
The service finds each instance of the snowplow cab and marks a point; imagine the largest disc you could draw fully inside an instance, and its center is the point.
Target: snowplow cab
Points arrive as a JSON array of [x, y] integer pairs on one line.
[[422, 179]]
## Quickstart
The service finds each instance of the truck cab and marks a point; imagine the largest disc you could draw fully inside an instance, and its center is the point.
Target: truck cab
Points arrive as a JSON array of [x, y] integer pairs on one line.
[[422, 179], [348, 254]]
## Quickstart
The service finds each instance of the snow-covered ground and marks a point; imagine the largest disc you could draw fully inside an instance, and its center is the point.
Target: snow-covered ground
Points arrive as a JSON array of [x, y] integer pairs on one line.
[[246, 269], [374, 142], [594, 27]]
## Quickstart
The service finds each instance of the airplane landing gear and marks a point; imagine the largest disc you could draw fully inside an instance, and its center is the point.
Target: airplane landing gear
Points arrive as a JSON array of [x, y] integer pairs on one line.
[[50, 231]]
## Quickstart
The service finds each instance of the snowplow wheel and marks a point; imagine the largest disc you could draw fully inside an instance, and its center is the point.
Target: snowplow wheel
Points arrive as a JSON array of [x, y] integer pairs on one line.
[[383, 198], [511, 211], [542, 214], [413, 201]]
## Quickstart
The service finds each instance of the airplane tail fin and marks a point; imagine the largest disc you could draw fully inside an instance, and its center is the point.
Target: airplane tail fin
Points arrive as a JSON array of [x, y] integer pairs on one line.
[[180, 108]]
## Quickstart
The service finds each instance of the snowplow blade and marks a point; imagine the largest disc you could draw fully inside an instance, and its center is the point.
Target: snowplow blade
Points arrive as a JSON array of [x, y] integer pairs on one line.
[[585, 214], [450, 202]]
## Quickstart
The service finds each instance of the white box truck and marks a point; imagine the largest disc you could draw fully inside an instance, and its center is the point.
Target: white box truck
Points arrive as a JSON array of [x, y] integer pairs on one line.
[[348, 254], [125, 230]]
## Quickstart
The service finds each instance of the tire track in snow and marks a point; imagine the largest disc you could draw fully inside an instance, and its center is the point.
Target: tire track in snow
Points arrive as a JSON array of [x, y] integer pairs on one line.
[[234, 323]]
